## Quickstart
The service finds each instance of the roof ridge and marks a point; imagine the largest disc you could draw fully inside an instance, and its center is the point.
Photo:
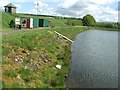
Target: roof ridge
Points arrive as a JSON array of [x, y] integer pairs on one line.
[[10, 5]]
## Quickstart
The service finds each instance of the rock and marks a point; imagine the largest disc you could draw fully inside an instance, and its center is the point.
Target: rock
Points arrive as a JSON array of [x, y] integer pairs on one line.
[[28, 53], [21, 56], [65, 76], [26, 67], [23, 51], [45, 61], [58, 66], [18, 76], [16, 59], [35, 48]]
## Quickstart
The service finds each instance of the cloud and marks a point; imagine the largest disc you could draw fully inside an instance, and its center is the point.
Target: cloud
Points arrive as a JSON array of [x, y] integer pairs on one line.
[[43, 8], [20, 1], [68, 3], [100, 9], [4, 2], [98, 2]]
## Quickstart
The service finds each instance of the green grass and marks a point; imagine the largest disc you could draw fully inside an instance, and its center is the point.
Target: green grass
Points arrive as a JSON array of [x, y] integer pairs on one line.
[[70, 32], [7, 17], [39, 44], [10, 73], [106, 29]]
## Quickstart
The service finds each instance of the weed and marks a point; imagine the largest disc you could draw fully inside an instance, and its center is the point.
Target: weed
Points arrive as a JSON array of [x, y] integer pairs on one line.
[[10, 73]]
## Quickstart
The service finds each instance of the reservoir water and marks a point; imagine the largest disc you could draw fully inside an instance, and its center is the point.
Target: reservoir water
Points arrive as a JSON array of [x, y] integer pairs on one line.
[[94, 60]]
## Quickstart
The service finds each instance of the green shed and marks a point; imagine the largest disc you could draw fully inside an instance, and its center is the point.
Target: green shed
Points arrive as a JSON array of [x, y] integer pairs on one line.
[[35, 23], [41, 22], [45, 23]]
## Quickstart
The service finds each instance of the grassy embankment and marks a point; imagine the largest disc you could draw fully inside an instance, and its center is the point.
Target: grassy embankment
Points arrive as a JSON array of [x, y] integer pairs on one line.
[[29, 58], [7, 17]]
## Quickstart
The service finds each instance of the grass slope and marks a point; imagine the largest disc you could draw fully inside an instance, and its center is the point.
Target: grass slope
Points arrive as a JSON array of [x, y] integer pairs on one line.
[[7, 17], [29, 58]]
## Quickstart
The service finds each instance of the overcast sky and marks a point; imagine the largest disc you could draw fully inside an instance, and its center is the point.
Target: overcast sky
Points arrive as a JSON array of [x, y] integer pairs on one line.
[[102, 10]]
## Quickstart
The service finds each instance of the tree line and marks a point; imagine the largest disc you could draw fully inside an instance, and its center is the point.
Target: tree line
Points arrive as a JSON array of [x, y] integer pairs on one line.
[[89, 20]]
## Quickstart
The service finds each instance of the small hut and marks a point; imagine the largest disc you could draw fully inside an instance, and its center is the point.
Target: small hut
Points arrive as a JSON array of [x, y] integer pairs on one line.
[[10, 8]]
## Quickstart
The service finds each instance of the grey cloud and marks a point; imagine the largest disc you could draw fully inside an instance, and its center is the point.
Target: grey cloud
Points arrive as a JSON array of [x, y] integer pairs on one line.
[[72, 11], [101, 12]]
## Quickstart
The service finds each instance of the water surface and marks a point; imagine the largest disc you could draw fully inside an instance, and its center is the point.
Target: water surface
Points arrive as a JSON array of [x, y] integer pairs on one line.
[[94, 61]]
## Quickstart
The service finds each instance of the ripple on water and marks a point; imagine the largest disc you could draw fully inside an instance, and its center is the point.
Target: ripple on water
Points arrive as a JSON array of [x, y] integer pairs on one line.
[[94, 60]]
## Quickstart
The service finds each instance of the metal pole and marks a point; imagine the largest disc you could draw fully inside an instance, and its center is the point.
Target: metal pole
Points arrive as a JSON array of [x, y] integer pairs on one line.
[[63, 36]]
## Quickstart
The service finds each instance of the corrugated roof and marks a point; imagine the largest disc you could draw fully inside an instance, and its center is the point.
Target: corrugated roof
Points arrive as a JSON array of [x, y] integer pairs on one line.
[[10, 5]]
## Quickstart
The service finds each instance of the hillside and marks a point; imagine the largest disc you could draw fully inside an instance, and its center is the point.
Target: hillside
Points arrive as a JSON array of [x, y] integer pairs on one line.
[[7, 17], [29, 59], [54, 21]]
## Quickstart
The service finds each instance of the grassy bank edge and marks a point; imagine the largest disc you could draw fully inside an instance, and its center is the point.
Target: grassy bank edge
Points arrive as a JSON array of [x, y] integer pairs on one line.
[[83, 28], [104, 29], [69, 32]]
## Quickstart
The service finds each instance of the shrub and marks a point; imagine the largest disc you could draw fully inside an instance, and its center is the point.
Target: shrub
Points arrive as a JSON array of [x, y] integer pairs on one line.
[[88, 20], [105, 24], [12, 24]]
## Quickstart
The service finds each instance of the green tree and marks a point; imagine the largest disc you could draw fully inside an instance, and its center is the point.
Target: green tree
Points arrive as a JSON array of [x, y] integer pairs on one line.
[[88, 20], [12, 24]]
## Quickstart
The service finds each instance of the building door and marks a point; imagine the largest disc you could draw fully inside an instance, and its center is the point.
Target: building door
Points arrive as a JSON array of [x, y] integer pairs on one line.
[[41, 22], [9, 9], [28, 23]]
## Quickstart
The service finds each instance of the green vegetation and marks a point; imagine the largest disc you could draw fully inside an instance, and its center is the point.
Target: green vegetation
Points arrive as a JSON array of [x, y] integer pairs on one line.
[[53, 21], [70, 32], [6, 18], [74, 22], [12, 24], [108, 26], [30, 58], [88, 20]]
